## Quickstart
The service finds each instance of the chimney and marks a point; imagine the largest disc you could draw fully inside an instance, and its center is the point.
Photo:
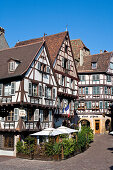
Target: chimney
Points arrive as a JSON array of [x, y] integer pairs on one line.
[[100, 51], [3, 42], [81, 58]]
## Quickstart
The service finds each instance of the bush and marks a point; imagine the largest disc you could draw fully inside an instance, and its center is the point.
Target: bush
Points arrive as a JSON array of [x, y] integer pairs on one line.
[[68, 146], [19, 146]]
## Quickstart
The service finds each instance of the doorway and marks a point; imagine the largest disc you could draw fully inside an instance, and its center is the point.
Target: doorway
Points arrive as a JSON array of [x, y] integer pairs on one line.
[[97, 126]]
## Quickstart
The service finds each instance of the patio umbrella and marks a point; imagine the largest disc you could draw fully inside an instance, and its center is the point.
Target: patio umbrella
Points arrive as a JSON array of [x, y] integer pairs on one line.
[[48, 132], [66, 130]]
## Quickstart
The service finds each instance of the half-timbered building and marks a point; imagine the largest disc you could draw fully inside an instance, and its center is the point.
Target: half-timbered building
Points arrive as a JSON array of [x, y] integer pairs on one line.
[[28, 92], [95, 91], [64, 67]]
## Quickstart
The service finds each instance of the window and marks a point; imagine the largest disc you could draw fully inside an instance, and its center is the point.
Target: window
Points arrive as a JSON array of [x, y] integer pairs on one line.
[[36, 115], [30, 114], [66, 49], [96, 90], [62, 62], [41, 115], [86, 90], [47, 69], [105, 90], [12, 88], [95, 77], [108, 78], [111, 90], [106, 104], [10, 116], [16, 114], [62, 80], [40, 91], [94, 65], [1, 87], [100, 104], [53, 93], [50, 115], [11, 66], [49, 93], [39, 66], [8, 141], [111, 66], [30, 89], [82, 77], [68, 64], [88, 105], [7, 89], [35, 90]]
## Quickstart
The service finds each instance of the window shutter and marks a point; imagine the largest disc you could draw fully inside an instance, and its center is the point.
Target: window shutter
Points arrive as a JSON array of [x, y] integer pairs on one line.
[[50, 115], [89, 104], [30, 89], [39, 66], [68, 64], [62, 62], [12, 88], [41, 115], [36, 115], [53, 93], [16, 114], [40, 91], [47, 69], [46, 94], [1, 87], [86, 90]]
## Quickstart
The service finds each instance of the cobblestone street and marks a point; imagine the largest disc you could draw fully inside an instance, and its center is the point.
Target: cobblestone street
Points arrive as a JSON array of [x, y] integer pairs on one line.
[[98, 157]]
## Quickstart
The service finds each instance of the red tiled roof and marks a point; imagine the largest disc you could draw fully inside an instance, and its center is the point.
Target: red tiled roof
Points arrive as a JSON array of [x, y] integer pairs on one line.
[[77, 45], [53, 42], [102, 60], [25, 54]]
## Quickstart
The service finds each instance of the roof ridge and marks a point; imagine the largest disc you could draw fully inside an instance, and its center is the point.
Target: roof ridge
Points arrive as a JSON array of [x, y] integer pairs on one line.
[[21, 46], [41, 37], [98, 54]]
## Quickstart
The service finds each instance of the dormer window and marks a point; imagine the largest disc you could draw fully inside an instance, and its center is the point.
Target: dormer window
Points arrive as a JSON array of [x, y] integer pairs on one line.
[[11, 66], [94, 65]]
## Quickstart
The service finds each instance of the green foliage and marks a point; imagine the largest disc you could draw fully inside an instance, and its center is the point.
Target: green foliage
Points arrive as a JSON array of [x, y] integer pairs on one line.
[[57, 148], [85, 136], [19, 146], [68, 146], [49, 148], [27, 147]]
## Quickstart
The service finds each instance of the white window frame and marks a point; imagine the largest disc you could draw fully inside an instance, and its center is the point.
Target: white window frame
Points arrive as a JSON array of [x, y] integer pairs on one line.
[[30, 88], [36, 115], [40, 91], [50, 115], [16, 114], [8, 88], [12, 88], [41, 116], [12, 66]]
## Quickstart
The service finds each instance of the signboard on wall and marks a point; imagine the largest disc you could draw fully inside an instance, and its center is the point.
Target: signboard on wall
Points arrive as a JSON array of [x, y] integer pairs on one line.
[[22, 113]]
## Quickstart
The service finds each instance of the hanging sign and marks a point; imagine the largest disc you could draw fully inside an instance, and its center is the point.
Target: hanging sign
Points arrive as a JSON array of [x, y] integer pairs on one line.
[[22, 113]]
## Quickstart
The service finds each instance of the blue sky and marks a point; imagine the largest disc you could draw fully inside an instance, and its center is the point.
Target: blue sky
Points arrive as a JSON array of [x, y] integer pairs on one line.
[[89, 20]]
